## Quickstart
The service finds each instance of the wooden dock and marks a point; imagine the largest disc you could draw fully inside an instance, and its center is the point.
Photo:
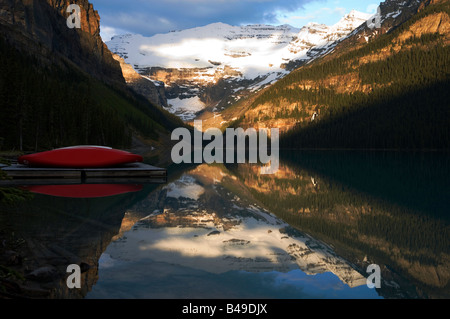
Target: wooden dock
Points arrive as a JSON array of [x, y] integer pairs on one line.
[[137, 172]]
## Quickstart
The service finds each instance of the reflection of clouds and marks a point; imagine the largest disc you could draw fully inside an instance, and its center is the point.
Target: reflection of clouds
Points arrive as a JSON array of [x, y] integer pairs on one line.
[[106, 261], [199, 242], [255, 244], [151, 279], [183, 262]]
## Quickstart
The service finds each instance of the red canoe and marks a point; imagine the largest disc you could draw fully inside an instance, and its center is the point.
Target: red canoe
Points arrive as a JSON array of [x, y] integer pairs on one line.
[[80, 157], [84, 190]]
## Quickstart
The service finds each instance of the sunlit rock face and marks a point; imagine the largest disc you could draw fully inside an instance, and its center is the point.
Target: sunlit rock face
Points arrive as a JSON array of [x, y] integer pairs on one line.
[[40, 29], [153, 90]]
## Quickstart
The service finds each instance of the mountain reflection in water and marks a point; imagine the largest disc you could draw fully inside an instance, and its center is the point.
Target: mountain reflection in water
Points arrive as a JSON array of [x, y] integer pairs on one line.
[[225, 231], [206, 247], [228, 231]]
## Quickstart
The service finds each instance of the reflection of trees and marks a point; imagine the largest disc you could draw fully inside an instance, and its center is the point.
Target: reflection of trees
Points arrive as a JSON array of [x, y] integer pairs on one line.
[[349, 209], [56, 232]]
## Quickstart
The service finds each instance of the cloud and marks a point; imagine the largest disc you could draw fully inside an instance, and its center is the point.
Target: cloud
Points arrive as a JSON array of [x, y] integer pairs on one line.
[[148, 17], [372, 8], [329, 11], [315, 16], [309, 17]]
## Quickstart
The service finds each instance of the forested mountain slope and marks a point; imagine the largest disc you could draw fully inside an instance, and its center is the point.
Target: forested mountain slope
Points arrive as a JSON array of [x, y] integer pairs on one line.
[[391, 92]]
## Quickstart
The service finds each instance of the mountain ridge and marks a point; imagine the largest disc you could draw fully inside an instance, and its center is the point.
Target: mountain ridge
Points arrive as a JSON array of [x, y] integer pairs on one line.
[[210, 67], [398, 64]]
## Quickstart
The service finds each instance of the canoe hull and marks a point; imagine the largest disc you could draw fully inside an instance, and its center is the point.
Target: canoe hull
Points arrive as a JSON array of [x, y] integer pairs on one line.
[[84, 190], [80, 157]]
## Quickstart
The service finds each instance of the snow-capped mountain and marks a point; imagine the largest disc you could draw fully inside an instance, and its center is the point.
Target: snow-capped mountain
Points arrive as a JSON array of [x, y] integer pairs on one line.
[[391, 13], [211, 66], [321, 35], [251, 50]]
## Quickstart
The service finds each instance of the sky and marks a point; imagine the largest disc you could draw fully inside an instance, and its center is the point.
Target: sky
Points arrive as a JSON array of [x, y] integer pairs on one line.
[[150, 17]]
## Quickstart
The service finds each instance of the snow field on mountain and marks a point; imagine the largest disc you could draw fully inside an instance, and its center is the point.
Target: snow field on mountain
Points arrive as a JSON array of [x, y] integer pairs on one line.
[[257, 53], [254, 50], [185, 108]]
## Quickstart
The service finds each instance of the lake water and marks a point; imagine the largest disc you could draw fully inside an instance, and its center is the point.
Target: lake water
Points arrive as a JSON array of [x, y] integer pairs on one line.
[[224, 231]]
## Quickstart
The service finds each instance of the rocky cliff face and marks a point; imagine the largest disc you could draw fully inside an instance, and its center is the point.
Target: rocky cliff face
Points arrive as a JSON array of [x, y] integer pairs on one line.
[[40, 28], [154, 91], [392, 13]]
